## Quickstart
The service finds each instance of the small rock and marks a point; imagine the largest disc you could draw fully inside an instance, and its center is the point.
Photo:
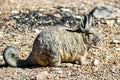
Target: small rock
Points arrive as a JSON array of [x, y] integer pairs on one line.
[[65, 9], [42, 75], [13, 42], [116, 41], [78, 17], [57, 70], [57, 15], [66, 64], [117, 49], [110, 22], [42, 10], [95, 53], [118, 21], [14, 11], [1, 35], [17, 16], [104, 11], [95, 62], [75, 66], [36, 31], [113, 70]]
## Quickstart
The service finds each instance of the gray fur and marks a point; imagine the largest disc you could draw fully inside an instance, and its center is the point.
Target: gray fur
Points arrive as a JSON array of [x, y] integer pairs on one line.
[[59, 44]]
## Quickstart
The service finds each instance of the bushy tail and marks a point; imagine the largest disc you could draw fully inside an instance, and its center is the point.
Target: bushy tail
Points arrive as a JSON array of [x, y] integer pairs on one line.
[[10, 57]]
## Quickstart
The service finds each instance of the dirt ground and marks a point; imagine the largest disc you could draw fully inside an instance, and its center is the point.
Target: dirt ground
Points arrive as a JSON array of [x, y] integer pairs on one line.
[[104, 58]]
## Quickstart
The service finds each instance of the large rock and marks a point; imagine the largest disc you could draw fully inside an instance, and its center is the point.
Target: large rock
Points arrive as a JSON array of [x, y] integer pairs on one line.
[[106, 12]]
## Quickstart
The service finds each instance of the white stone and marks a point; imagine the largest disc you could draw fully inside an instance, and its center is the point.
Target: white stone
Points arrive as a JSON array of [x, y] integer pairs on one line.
[[95, 62], [118, 20], [42, 10], [36, 31], [116, 41], [1, 34], [42, 75], [57, 70], [15, 12], [95, 53], [65, 9], [117, 49]]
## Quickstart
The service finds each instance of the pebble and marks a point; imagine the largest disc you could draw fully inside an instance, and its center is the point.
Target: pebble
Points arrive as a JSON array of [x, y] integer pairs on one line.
[[95, 53], [42, 75], [56, 70], [59, 71], [1, 34], [14, 11], [13, 42], [118, 21], [117, 49], [36, 31], [17, 17], [42, 10], [116, 41], [78, 17], [95, 62], [66, 64], [113, 70], [110, 22], [65, 9], [57, 15]]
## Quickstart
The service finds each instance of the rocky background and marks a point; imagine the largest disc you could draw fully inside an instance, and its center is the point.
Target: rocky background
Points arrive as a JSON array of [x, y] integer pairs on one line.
[[22, 20]]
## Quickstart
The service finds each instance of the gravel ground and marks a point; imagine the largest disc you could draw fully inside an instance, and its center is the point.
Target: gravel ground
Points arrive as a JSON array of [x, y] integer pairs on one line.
[[104, 59]]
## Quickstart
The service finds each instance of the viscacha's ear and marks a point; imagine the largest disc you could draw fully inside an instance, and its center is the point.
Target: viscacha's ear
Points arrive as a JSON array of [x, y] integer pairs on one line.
[[86, 23]]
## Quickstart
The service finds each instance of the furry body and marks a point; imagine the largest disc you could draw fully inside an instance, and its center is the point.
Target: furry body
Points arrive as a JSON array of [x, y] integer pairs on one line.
[[58, 44]]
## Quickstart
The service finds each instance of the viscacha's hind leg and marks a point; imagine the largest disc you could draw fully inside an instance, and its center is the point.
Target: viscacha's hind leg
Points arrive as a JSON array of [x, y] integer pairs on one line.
[[55, 60]]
